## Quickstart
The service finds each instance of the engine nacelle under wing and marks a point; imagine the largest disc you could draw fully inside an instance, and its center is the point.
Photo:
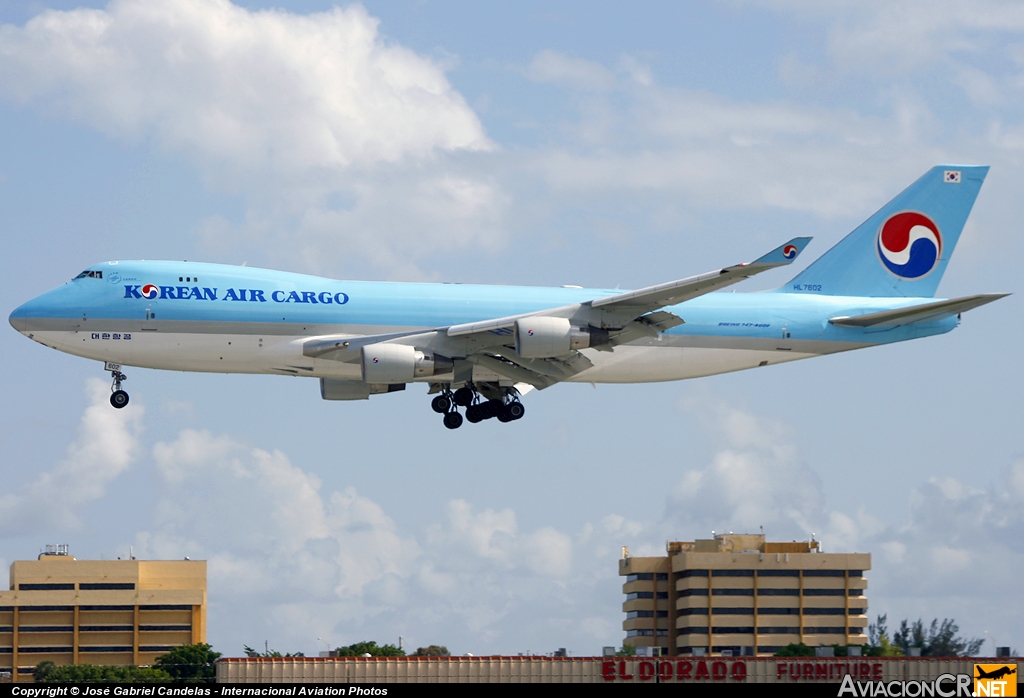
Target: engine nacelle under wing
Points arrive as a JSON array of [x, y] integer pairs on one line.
[[338, 389], [399, 363], [548, 337]]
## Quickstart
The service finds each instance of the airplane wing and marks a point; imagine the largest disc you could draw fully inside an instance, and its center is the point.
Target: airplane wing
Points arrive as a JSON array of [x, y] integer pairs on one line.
[[617, 319], [675, 292], [917, 313], [621, 308]]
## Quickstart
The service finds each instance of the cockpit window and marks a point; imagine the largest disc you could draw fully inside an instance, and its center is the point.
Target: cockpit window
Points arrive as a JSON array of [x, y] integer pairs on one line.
[[89, 274]]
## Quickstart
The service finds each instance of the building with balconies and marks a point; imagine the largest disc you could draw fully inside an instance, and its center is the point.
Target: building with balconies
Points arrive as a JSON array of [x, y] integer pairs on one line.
[[112, 612], [738, 595]]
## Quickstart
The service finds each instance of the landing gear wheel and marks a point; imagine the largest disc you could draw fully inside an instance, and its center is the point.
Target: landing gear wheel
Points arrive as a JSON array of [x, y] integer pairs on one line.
[[473, 414], [503, 415], [119, 399], [453, 420], [463, 397], [441, 404], [515, 410], [491, 408]]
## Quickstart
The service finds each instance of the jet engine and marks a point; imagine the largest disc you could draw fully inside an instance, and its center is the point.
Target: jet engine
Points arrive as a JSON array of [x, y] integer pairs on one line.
[[339, 389], [398, 363], [546, 337]]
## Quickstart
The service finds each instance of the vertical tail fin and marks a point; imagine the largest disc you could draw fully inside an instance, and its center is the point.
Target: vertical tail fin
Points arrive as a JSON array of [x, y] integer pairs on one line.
[[903, 249]]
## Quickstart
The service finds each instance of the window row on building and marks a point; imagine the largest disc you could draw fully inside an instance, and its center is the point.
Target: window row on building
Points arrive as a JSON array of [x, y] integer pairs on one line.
[[92, 628], [142, 607], [646, 632], [104, 649], [734, 650], [761, 592], [632, 596], [770, 630], [750, 610], [646, 614], [768, 573], [647, 576], [71, 586]]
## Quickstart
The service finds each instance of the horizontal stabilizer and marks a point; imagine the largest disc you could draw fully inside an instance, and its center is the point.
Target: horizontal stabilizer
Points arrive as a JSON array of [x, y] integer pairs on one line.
[[917, 313]]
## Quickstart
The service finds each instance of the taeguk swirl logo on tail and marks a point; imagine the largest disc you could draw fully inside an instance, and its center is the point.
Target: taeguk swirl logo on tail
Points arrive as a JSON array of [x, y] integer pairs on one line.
[[909, 244], [789, 251]]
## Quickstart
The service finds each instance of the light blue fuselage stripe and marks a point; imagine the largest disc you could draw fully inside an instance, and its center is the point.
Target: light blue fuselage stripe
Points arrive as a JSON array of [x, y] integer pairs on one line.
[[282, 297]]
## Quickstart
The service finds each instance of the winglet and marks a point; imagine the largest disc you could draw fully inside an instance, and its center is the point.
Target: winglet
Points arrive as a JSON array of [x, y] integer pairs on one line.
[[783, 254]]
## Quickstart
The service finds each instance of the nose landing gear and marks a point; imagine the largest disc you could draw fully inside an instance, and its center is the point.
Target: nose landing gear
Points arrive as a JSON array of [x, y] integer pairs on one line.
[[118, 397]]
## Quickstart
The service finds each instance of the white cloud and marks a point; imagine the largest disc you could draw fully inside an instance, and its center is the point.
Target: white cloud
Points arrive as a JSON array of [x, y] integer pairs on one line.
[[344, 145], [269, 89], [614, 523], [493, 535], [758, 480], [961, 545], [334, 563], [980, 87], [908, 35], [290, 561], [721, 152], [896, 37], [104, 449], [551, 66], [960, 549]]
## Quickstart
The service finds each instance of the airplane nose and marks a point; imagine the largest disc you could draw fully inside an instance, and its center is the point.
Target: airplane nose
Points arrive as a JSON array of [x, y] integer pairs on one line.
[[26, 316], [21, 316]]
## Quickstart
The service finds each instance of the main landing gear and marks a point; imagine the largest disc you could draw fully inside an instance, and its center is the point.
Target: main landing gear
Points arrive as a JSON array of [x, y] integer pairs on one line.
[[506, 407], [118, 397]]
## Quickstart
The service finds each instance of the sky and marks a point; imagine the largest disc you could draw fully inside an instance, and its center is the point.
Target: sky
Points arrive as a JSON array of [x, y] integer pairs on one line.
[[535, 143]]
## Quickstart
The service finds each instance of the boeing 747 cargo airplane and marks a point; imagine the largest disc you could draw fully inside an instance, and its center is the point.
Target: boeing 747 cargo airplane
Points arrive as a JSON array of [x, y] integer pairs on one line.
[[482, 347]]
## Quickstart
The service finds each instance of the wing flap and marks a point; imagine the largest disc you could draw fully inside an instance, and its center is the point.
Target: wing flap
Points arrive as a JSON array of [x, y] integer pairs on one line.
[[540, 373], [515, 372], [649, 325], [560, 369], [917, 313]]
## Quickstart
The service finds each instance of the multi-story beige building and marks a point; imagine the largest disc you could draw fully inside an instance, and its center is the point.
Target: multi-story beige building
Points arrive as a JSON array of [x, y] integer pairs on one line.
[[115, 612], [736, 594]]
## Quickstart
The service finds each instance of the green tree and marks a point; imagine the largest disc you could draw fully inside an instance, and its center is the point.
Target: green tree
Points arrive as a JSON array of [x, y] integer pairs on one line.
[[432, 651], [626, 651], [48, 672], [879, 644], [795, 649], [371, 648], [938, 640], [43, 669], [189, 663], [250, 652]]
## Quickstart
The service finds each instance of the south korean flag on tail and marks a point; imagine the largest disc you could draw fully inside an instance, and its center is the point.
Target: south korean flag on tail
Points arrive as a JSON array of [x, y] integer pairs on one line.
[[951, 177]]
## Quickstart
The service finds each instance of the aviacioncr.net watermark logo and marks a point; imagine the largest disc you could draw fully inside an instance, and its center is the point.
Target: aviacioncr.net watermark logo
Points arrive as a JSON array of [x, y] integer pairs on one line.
[[995, 679], [945, 686]]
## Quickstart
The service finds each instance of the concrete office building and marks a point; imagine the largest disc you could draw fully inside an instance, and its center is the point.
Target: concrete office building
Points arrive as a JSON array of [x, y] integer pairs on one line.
[[114, 612], [738, 595]]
